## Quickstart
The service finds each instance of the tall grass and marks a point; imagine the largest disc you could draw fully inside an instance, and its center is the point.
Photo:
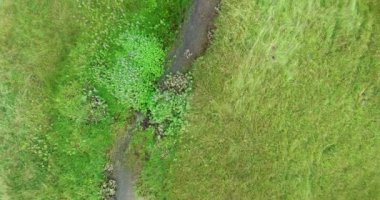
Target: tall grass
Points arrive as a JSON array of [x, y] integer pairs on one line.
[[34, 39], [291, 111]]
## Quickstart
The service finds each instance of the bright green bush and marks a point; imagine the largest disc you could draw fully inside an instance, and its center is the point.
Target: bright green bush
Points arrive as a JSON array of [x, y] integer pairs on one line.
[[133, 67], [137, 64]]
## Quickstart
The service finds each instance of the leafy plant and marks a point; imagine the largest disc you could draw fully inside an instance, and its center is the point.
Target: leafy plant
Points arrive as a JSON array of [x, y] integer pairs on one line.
[[137, 64], [169, 104], [167, 112], [167, 116]]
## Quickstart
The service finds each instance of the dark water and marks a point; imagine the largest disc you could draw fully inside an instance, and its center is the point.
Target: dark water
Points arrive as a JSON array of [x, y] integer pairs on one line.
[[196, 35], [121, 174]]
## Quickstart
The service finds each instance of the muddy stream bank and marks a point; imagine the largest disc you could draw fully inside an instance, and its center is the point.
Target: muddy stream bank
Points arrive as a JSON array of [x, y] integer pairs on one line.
[[196, 35]]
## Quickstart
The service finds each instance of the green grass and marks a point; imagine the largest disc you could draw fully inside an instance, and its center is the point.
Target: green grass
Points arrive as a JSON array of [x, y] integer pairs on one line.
[[291, 111], [32, 44], [54, 133], [3, 190]]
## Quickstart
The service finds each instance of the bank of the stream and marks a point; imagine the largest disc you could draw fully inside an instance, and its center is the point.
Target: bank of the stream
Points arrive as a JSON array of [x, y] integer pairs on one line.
[[195, 37]]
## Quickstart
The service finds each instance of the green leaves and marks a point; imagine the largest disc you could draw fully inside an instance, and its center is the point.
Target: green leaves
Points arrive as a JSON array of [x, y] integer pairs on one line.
[[167, 110], [135, 67], [137, 64]]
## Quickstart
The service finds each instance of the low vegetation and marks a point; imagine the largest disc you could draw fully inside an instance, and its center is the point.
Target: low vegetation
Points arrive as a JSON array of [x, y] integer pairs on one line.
[[63, 93], [285, 105]]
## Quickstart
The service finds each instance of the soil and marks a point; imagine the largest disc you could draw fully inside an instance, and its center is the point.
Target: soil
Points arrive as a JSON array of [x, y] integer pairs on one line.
[[196, 36]]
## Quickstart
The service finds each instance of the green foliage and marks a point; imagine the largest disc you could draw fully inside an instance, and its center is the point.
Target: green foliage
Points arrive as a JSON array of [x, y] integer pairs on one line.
[[162, 18], [130, 76], [153, 180], [167, 111], [56, 119], [153, 151], [169, 105], [137, 64]]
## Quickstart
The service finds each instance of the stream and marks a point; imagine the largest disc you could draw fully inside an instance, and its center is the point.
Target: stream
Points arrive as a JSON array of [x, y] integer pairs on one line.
[[196, 35]]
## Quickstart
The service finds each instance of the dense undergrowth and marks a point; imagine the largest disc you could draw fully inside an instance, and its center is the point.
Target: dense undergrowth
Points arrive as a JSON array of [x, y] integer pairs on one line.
[[71, 73]]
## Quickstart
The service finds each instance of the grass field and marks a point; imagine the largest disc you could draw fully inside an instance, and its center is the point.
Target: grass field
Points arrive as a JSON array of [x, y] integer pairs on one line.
[[286, 104], [55, 127], [3, 190], [32, 44]]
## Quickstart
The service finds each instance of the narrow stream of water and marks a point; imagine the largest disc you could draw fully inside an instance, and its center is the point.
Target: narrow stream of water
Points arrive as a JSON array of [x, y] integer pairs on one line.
[[196, 36]]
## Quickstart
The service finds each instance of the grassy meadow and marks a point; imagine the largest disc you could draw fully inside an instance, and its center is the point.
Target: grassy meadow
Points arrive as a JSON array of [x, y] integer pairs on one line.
[[57, 121], [286, 104]]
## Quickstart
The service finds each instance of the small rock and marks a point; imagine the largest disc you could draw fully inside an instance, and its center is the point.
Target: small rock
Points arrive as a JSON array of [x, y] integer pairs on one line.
[[188, 54]]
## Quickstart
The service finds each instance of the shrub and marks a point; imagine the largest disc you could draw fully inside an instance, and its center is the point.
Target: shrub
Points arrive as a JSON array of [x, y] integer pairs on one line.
[[136, 65], [169, 104], [167, 112]]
